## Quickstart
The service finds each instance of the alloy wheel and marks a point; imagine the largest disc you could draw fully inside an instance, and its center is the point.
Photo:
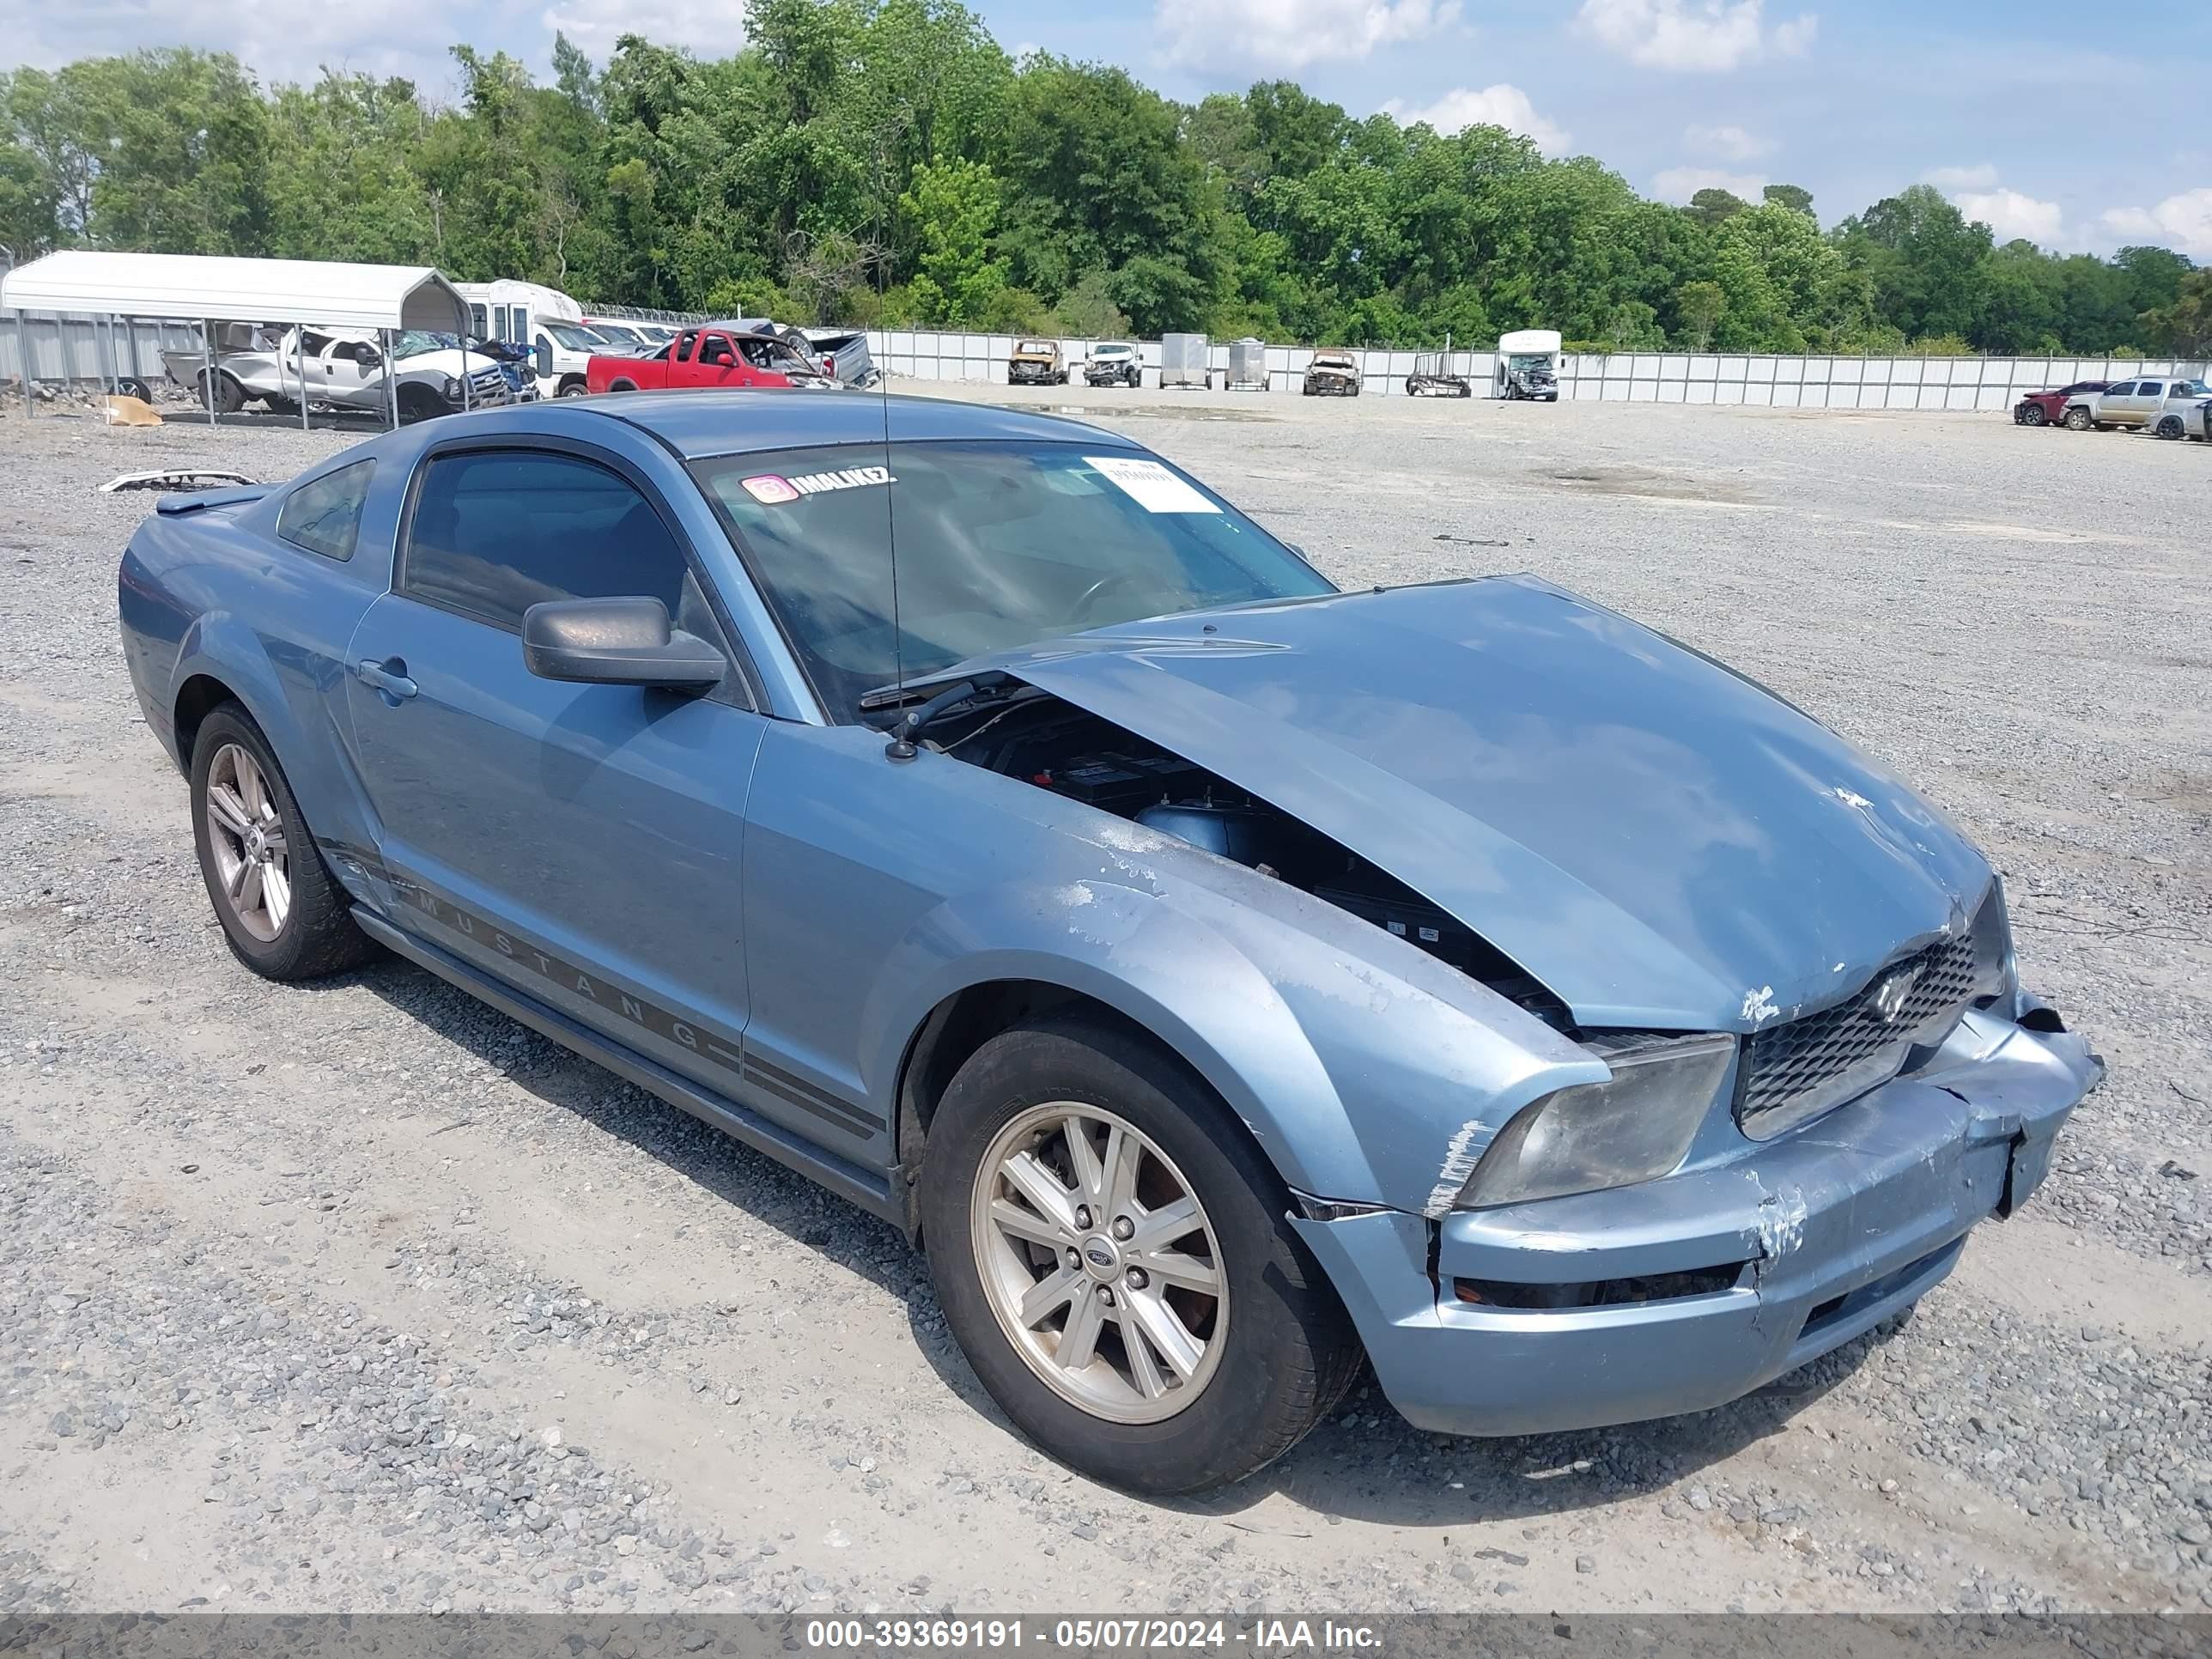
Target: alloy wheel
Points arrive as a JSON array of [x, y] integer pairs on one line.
[[1099, 1263], [253, 861]]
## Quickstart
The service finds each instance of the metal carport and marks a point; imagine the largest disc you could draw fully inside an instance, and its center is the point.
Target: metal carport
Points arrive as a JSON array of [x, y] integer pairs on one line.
[[211, 288]]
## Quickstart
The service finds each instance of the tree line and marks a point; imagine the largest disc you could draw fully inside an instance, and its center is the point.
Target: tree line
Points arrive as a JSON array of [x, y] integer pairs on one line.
[[886, 161]]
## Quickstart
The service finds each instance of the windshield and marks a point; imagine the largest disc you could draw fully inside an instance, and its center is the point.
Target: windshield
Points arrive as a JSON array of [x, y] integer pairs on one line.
[[1034, 348], [575, 338], [615, 335], [1521, 362], [1000, 545], [414, 341]]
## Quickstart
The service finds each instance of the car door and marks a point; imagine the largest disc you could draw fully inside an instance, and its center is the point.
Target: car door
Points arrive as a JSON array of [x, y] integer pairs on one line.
[[582, 844], [2144, 403]]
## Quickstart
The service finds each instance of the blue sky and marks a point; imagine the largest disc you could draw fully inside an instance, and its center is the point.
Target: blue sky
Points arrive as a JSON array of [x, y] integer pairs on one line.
[[1993, 102]]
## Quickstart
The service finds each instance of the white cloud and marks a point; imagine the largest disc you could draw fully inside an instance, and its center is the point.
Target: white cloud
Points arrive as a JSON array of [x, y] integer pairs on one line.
[[1288, 35], [1695, 35], [712, 27], [1500, 106], [1732, 142], [1680, 183], [2010, 213], [2185, 222], [1981, 176]]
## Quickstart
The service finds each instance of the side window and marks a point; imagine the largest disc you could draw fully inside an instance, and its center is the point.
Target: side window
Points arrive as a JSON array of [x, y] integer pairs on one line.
[[760, 354], [684, 344], [325, 516], [715, 352], [2151, 389], [2124, 389], [496, 531]]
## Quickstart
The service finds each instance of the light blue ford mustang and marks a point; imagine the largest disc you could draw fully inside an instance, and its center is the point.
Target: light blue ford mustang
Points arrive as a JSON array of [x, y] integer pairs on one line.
[[1225, 979]]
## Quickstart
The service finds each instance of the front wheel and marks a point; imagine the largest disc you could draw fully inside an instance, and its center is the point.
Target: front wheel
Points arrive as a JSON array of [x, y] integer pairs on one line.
[[2033, 414], [1111, 1252], [283, 915], [2077, 420]]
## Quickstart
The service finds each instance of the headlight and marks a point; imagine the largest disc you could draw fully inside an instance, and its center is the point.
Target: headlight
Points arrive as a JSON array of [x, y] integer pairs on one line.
[[1636, 1126], [452, 389]]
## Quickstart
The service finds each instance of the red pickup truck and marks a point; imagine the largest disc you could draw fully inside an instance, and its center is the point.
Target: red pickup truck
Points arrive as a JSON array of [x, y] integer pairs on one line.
[[713, 354]]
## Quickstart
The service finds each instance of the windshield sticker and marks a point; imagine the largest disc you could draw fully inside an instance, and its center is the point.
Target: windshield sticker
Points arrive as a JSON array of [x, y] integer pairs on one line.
[[1149, 485], [772, 489]]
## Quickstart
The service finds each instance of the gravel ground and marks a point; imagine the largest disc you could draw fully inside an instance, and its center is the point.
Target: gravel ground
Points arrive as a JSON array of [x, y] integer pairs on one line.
[[363, 1297]]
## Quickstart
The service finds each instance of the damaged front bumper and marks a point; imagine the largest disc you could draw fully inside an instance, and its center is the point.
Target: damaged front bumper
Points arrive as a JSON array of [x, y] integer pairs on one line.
[[1684, 1294]]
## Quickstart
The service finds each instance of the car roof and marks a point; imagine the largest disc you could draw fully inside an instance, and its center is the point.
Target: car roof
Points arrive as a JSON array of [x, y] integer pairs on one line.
[[699, 424]]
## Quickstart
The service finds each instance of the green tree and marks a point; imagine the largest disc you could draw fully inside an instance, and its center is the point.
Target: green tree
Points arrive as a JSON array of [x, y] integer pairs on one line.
[[2184, 327], [1711, 205], [1701, 306], [1793, 196], [951, 210]]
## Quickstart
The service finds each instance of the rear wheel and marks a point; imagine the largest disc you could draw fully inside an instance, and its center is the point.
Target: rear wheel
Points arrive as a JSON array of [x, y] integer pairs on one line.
[[573, 387], [2169, 426], [1110, 1250], [2033, 414], [282, 914]]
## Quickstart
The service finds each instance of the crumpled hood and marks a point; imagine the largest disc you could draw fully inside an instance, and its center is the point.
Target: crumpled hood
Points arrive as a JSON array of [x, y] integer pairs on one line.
[[1657, 840]]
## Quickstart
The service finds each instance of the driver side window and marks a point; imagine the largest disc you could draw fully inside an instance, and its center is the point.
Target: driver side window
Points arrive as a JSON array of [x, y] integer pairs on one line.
[[715, 352], [496, 531]]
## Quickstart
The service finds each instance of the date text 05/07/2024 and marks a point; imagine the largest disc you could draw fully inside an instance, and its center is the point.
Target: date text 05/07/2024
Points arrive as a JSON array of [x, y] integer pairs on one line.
[[1091, 1635]]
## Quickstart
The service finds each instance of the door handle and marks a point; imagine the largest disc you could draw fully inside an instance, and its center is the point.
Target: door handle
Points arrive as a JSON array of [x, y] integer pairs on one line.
[[389, 677]]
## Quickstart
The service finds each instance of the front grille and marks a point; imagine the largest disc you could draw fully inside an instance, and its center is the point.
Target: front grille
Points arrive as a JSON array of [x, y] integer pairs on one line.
[[1795, 1070]]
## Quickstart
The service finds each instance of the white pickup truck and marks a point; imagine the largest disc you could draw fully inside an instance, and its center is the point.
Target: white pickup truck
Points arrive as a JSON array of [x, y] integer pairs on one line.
[[334, 370]]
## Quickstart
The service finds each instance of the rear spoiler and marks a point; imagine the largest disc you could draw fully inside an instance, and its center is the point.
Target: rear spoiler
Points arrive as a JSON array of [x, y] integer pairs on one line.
[[176, 507]]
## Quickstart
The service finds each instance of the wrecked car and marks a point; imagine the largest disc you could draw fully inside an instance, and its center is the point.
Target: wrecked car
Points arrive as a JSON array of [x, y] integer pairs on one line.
[[715, 357], [334, 369], [1036, 363], [1331, 375], [1227, 980]]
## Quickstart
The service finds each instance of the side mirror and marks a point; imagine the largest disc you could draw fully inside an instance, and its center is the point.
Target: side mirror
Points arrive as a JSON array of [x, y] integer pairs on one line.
[[541, 358], [368, 358], [621, 641]]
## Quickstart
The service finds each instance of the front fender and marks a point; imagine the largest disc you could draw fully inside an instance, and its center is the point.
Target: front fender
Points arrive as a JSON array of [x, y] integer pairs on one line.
[[1367, 1071], [1166, 971]]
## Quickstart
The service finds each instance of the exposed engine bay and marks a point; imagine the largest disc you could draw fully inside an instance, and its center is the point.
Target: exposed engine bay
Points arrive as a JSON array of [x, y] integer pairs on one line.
[[1043, 741]]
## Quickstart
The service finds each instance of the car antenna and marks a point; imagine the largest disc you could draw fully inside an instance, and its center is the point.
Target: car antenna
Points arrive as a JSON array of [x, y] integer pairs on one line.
[[901, 746]]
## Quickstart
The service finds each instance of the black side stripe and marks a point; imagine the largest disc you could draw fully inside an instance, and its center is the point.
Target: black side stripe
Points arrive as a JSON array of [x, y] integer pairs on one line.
[[721, 1050], [838, 1116]]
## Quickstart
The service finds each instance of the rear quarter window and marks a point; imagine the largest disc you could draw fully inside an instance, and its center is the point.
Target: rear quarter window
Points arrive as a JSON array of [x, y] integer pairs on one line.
[[325, 516]]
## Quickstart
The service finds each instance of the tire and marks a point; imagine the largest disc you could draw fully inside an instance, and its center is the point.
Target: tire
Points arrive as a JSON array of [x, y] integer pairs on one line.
[[572, 387], [131, 386], [416, 404], [2077, 420], [2034, 415], [2169, 427], [229, 396], [314, 932], [1271, 1353]]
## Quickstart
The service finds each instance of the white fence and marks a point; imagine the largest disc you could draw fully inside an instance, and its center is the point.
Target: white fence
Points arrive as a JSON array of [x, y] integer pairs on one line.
[[1960, 383], [1649, 376]]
